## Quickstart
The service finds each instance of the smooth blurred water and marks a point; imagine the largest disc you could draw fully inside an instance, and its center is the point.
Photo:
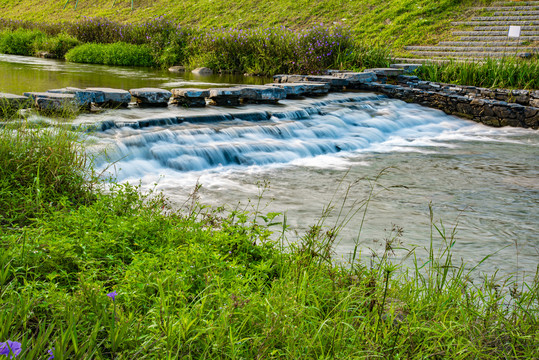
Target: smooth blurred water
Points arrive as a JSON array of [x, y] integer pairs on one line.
[[482, 182]]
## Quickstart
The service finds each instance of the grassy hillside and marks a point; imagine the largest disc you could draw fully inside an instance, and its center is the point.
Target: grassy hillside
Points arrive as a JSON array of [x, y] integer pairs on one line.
[[395, 22]]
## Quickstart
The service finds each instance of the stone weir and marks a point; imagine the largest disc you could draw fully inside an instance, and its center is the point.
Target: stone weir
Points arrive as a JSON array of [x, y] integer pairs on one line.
[[491, 107]]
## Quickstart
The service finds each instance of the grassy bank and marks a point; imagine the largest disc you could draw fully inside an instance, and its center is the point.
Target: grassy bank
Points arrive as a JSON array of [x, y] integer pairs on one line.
[[120, 275], [393, 22]]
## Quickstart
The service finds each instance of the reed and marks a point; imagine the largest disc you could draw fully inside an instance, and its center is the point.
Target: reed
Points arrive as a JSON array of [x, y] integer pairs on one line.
[[491, 73]]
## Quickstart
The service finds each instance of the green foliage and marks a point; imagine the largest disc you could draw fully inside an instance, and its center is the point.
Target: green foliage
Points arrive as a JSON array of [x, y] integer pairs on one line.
[[41, 169], [19, 42], [120, 54], [491, 73], [57, 45]]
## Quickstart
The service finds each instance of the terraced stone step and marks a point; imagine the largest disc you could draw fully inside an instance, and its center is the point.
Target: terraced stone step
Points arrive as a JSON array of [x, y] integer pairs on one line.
[[505, 18], [507, 8], [523, 34], [506, 28], [515, 3], [499, 39], [495, 23], [468, 54], [513, 13], [512, 49], [482, 42]]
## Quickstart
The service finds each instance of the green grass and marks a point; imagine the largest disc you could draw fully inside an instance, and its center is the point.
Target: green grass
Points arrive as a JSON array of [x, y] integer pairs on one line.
[[204, 283], [120, 54], [395, 22], [492, 73]]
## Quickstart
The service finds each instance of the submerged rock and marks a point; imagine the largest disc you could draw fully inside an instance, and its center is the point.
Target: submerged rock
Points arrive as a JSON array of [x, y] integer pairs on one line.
[[178, 68], [202, 71]]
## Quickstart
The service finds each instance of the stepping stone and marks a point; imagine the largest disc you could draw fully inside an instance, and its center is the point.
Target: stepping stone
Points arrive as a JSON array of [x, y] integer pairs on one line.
[[113, 97], [335, 83], [190, 97], [10, 104], [387, 72], [287, 78], [408, 68], [84, 97], [225, 96], [151, 96], [302, 88], [56, 102], [355, 78], [262, 94]]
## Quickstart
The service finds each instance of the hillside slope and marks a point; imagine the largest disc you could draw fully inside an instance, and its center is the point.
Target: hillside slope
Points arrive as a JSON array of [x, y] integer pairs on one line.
[[395, 22]]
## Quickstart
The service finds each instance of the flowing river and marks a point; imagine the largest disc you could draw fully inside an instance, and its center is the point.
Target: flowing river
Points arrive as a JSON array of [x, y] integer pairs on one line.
[[481, 183]]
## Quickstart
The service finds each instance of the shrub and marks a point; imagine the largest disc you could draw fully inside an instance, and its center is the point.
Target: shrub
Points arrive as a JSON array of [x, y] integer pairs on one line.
[[58, 45], [19, 42], [120, 54]]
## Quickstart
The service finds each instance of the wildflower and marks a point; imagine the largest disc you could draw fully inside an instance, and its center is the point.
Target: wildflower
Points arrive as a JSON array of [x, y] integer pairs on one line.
[[112, 295], [10, 349], [51, 353]]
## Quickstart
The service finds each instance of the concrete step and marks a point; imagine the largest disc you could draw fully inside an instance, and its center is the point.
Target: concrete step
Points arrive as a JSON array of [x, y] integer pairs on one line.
[[526, 33], [424, 60], [481, 42], [509, 49], [506, 28], [495, 23], [518, 13], [506, 18], [507, 8], [470, 54], [503, 39], [515, 3]]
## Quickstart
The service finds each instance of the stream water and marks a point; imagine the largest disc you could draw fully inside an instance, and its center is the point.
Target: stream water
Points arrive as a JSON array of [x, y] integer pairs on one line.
[[482, 183]]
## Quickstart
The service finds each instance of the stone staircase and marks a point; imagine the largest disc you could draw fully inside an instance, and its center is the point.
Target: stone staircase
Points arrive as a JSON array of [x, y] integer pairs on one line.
[[486, 36]]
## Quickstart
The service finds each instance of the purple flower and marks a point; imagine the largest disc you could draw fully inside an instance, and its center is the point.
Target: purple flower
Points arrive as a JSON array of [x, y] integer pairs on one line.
[[112, 295], [51, 353], [10, 349]]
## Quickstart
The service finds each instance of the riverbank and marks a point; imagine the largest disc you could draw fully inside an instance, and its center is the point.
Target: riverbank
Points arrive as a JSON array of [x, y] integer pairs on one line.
[[122, 275]]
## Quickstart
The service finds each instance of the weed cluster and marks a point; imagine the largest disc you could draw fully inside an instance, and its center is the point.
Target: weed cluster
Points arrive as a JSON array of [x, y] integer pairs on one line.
[[491, 73], [259, 51]]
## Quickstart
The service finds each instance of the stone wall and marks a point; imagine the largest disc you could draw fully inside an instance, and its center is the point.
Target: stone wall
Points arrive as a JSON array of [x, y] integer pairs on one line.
[[493, 107]]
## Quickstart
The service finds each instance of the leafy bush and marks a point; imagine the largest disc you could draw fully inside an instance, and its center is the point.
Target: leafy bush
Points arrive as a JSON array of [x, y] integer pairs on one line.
[[58, 45], [19, 42], [120, 54]]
